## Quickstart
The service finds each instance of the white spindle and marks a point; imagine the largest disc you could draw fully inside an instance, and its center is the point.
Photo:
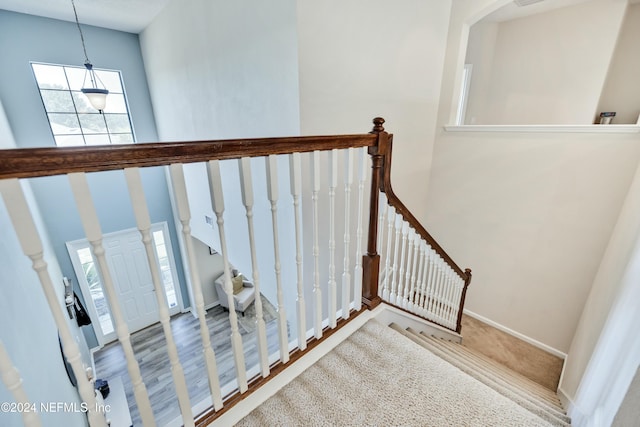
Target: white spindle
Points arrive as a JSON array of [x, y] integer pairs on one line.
[[396, 265], [382, 216], [333, 183], [13, 382], [357, 276], [439, 290], [388, 267], [272, 193], [428, 296], [416, 260], [246, 188], [184, 214], [93, 232], [407, 277], [382, 212], [31, 244], [143, 221], [317, 292], [421, 277], [217, 203], [401, 278], [451, 301], [295, 179], [346, 275], [433, 296], [450, 292]]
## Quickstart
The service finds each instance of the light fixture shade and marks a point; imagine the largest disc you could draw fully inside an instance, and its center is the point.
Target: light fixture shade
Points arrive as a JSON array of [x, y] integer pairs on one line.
[[97, 97]]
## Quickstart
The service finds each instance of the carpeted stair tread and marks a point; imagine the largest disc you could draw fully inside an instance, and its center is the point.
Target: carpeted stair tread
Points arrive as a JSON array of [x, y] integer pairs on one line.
[[379, 377], [501, 380], [499, 370], [529, 403], [502, 370]]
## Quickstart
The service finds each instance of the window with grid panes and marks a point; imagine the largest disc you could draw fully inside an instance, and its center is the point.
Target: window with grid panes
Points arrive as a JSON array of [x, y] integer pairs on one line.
[[72, 119]]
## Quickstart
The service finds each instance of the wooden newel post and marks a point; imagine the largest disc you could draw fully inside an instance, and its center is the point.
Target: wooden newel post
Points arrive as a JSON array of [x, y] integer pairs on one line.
[[467, 272], [371, 260]]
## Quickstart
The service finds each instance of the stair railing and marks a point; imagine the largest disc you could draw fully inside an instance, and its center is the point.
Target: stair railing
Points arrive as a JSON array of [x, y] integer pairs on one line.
[[327, 177], [417, 275]]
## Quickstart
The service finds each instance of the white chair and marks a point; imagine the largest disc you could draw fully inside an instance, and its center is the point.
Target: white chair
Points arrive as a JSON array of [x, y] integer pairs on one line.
[[241, 299]]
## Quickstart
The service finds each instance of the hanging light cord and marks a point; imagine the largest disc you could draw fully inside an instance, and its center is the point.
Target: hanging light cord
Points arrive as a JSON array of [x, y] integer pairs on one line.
[[86, 57]]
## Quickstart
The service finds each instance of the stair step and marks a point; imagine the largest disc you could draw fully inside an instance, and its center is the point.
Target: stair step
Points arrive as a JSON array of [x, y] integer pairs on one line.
[[505, 379], [501, 371], [537, 401]]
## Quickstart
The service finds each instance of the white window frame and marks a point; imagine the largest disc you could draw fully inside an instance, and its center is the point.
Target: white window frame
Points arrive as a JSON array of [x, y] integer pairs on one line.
[[82, 115]]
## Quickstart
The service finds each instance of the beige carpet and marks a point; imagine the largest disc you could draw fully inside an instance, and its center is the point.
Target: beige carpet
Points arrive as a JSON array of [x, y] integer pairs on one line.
[[378, 377]]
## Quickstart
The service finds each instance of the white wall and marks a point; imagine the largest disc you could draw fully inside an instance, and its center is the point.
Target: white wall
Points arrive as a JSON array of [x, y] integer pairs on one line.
[[482, 42], [361, 59], [531, 214], [549, 68], [28, 330], [606, 286], [622, 88], [218, 70]]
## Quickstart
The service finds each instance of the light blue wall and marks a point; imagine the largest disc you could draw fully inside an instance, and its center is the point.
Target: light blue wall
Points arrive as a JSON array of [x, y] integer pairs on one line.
[[26, 38], [23, 307]]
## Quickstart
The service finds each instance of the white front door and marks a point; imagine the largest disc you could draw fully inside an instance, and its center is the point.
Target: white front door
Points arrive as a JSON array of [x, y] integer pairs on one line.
[[131, 275]]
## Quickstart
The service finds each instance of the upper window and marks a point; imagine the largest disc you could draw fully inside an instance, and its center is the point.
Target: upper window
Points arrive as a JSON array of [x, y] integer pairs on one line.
[[72, 118]]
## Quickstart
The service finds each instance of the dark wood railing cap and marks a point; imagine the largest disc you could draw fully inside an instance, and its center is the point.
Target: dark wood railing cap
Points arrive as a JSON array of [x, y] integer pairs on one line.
[[377, 125]]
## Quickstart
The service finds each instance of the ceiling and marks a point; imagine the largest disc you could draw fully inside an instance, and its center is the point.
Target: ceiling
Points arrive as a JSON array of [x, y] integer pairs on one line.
[[125, 15]]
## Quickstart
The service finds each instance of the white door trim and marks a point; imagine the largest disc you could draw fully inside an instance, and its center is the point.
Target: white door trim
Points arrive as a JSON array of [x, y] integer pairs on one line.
[[75, 245]]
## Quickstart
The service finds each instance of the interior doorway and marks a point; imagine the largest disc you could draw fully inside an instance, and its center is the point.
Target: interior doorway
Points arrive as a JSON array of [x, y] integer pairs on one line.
[[131, 275]]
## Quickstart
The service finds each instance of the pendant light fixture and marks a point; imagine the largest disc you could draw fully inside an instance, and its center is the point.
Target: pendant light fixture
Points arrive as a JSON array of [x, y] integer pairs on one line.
[[96, 95]]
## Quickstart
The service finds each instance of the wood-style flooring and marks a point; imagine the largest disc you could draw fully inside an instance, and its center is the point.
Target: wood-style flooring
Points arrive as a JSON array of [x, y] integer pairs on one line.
[[149, 346]]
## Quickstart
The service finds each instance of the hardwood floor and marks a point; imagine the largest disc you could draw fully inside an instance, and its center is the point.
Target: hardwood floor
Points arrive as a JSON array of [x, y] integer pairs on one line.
[[149, 346]]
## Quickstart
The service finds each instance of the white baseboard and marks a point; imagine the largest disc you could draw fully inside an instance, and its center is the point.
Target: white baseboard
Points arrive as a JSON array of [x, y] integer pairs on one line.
[[533, 342]]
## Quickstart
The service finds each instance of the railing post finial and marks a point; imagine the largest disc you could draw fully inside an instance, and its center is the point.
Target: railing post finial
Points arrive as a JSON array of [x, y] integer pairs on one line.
[[377, 125]]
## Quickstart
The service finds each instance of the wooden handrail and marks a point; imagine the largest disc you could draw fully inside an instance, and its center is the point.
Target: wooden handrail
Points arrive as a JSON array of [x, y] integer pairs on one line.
[[382, 152], [394, 201], [37, 162]]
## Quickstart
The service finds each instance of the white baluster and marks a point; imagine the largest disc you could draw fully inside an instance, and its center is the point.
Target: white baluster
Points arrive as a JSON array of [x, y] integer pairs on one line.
[[428, 297], [143, 221], [439, 288], [357, 275], [396, 264], [91, 226], [333, 183], [445, 295], [295, 179], [382, 212], [423, 278], [382, 216], [388, 268], [401, 278], [452, 303], [450, 296], [272, 193], [31, 244], [346, 275], [317, 292], [217, 203], [407, 277], [420, 287], [246, 188], [433, 296], [13, 382], [416, 260], [184, 214]]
